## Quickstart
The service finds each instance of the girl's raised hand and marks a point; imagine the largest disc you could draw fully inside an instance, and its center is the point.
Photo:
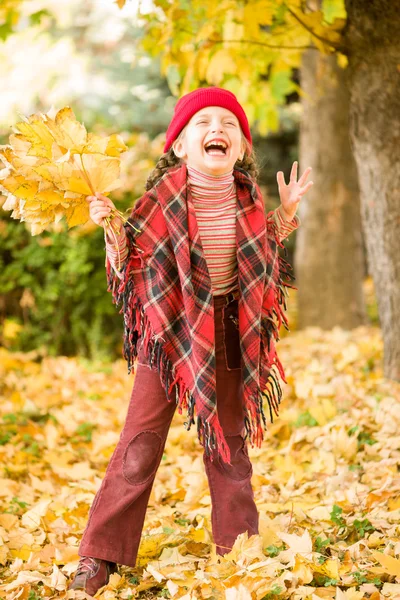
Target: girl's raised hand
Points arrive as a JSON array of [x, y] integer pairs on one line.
[[291, 193]]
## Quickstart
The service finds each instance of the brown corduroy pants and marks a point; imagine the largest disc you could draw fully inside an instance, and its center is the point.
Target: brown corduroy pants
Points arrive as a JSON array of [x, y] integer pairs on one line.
[[116, 517]]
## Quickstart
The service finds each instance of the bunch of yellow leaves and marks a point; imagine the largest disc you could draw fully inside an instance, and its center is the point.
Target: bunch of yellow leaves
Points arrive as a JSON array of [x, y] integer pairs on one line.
[[51, 164]]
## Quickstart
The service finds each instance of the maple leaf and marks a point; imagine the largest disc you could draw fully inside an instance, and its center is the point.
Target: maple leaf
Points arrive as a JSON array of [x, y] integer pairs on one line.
[[297, 545], [51, 164]]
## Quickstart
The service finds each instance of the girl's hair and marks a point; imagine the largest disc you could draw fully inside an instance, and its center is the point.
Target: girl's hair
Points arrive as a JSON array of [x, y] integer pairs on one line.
[[169, 159]]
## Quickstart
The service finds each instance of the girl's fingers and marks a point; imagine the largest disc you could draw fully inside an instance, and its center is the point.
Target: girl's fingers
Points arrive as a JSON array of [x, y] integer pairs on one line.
[[99, 198], [306, 188], [304, 176], [281, 179], [96, 205], [293, 172], [102, 197]]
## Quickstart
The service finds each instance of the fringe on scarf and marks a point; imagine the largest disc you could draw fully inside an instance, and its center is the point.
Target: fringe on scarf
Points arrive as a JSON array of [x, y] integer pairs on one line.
[[137, 327], [270, 389]]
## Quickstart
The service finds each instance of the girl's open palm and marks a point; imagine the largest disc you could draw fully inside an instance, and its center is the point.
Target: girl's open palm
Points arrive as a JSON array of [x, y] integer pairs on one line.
[[291, 193]]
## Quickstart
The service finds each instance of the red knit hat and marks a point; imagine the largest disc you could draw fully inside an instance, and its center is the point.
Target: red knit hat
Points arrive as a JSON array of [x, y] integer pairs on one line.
[[190, 103]]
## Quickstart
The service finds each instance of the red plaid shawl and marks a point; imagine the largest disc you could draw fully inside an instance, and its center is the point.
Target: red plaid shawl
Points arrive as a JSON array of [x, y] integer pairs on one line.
[[168, 303]]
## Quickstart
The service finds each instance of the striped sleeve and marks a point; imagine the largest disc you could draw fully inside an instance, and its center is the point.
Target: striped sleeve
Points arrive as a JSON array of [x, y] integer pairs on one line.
[[285, 227], [112, 251]]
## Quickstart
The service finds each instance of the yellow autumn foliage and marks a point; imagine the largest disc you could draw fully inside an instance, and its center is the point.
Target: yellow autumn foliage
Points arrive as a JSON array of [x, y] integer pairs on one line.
[[51, 164]]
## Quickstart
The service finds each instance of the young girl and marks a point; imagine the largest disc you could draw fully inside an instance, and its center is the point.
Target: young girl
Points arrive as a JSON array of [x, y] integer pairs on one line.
[[201, 283]]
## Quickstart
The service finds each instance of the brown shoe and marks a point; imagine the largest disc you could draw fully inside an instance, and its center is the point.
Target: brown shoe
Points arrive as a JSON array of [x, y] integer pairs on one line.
[[92, 574]]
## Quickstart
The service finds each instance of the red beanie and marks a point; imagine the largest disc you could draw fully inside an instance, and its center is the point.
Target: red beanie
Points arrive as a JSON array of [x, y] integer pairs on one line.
[[194, 101]]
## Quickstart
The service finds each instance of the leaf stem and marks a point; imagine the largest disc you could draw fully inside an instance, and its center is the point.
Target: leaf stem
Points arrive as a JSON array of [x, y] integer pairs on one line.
[[110, 229], [123, 218], [109, 222], [86, 176]]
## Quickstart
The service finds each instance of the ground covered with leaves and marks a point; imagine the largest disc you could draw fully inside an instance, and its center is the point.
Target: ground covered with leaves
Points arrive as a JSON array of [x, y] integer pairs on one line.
[[326, 482]]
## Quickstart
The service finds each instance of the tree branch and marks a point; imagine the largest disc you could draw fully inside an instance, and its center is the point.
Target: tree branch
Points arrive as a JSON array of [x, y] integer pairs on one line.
[[276, 46], [340, 47]]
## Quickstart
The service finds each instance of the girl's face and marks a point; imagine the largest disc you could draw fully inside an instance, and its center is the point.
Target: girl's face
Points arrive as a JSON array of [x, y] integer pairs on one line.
[[208, 124]]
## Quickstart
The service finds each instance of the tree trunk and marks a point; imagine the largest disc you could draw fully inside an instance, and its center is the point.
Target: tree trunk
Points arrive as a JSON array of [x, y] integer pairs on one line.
[[329, 256], [372, 38]]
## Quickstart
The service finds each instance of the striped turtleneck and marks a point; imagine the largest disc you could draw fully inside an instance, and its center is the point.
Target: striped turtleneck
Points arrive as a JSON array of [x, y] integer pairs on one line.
[[214, 201]]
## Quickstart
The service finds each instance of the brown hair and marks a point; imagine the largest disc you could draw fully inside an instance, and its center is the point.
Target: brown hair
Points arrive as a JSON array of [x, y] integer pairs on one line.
[[169, 159]]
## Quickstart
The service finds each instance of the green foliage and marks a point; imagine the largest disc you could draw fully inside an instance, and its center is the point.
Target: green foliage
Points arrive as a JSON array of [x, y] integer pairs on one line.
[[9, 427], [355, 467], [6, 27], [336, 516], [11, 418], [275, 591], [364, 437], [359, 576], [16, 506], [356, 530], [5, 437], [330, 581], [273, 551], [84, 432], [11, 13], [305, 419], [182, 521], [332, 9], [30, 445], [72, 312], [320, 544], [362, 527], [36, 18], [168, 530], [323, 580]]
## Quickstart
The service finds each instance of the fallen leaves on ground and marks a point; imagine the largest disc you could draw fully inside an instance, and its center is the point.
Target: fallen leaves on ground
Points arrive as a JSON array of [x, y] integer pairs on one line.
[[326, 482]]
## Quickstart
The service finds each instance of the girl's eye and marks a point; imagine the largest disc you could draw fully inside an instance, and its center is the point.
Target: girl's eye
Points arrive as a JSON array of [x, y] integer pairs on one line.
[[204, 121]]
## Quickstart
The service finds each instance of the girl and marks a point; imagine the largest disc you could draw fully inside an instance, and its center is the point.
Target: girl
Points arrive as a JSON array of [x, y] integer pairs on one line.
[[198, 273]]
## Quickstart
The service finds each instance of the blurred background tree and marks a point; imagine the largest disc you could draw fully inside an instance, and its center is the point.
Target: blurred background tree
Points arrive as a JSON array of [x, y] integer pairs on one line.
[[53, 287], [121, 72], [348, 55]]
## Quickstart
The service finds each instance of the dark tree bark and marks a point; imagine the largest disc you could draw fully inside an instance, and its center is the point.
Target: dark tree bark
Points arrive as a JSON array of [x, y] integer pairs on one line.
[[329, 253], [372, 38]]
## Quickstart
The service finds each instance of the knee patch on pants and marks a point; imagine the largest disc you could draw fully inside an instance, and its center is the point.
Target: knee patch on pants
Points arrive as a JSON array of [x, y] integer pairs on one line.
[[140, 458], [240, 467]]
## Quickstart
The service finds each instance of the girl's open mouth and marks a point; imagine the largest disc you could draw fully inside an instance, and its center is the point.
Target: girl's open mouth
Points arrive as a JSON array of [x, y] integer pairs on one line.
[[216, 149]]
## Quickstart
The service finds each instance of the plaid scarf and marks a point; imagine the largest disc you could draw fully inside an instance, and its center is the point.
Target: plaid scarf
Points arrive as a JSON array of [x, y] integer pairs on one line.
[[167, 303]]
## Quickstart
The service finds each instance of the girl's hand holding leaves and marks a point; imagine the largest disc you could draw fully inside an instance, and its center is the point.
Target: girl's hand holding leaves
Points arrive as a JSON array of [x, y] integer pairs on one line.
[[100, 209]]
